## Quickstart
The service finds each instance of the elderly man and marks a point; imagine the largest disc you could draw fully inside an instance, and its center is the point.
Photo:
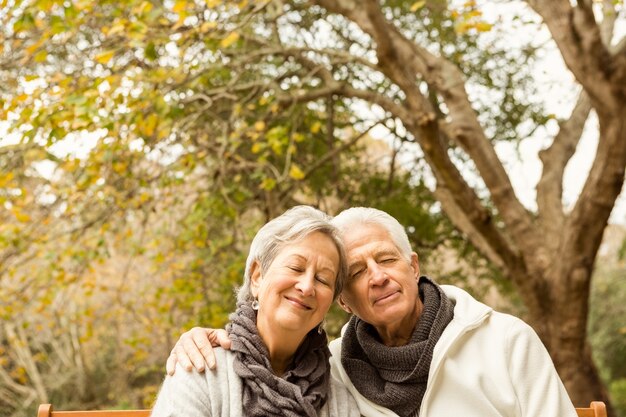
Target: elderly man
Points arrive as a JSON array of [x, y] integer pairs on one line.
[[415, 348]]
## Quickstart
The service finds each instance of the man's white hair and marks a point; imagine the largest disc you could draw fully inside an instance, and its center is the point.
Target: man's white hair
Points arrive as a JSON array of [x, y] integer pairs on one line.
[[356, 216]]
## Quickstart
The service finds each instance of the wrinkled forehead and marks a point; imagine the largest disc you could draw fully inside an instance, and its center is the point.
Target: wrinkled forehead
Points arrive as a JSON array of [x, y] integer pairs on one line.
[[363, 235]]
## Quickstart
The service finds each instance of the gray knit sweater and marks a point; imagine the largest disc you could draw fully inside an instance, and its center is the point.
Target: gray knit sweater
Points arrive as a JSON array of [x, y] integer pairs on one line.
[[218, 393]]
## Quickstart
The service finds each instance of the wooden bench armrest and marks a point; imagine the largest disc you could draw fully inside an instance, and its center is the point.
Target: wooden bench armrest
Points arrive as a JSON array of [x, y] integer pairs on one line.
[[45, 410], [595, 409]]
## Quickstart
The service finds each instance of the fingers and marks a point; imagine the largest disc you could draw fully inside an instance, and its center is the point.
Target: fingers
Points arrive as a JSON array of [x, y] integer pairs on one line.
[[189, 354], [170, 365], [200, 350], [194, 349], [221, 339], [179, 356], [182, 358]]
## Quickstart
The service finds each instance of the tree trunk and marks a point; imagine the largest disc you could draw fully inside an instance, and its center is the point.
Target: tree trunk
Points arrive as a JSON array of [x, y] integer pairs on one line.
[[560, 319]]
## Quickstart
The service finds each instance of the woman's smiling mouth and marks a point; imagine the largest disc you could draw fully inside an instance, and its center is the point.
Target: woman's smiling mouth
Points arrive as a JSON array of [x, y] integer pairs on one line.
[[298, 303]]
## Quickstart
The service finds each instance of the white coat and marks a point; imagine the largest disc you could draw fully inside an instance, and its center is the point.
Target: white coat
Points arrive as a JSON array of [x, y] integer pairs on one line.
[[486, 364]]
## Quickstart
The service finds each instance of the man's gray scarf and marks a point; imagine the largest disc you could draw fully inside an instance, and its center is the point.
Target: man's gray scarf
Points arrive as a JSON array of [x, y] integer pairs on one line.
[[300, 392], [396, 377]]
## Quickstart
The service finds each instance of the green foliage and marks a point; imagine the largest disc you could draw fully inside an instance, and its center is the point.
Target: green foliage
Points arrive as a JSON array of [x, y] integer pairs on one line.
[[607, 330], [617, 390]]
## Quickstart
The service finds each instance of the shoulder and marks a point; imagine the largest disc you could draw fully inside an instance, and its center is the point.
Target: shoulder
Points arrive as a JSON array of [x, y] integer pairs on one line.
[[514, 330], [468, 312], [344, 395], [200, 394], [185, 392], [340, 401], [223, 377]]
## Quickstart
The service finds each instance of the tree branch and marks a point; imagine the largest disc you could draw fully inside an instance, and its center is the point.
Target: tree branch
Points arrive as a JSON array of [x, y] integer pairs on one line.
[[401, 60], [555, 158], [458, 216], [578, 36]]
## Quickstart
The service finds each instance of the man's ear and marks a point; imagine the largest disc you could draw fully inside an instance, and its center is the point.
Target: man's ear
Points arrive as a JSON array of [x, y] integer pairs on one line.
[[415, 264], [255, 278], [343, 305]]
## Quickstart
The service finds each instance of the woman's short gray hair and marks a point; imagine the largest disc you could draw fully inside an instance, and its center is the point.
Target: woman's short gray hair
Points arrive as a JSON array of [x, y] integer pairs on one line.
[[291, 226], [356, 216]]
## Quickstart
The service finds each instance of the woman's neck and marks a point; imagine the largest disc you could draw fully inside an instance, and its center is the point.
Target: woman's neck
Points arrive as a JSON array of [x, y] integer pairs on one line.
[[281, 346]]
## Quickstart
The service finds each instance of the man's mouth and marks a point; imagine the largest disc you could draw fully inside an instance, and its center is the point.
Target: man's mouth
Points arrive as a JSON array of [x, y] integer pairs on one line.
[[385, 297]]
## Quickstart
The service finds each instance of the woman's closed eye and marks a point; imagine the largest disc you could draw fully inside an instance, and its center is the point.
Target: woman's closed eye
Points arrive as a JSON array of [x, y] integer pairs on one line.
[[296, 268], [322, 279]]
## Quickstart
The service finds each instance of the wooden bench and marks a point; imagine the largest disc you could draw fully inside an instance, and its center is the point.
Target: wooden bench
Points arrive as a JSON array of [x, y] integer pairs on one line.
[[596, 409], [45, 410]]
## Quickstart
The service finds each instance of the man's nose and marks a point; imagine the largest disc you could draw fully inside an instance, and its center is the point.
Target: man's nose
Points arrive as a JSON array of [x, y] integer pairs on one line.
[[377, 274]]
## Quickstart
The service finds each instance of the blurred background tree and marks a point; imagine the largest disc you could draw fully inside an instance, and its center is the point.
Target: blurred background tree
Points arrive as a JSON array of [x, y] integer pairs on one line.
[[147, 141]]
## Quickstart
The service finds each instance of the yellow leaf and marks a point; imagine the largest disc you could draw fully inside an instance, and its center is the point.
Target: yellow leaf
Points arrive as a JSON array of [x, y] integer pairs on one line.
[[417, 5], [105, 56], [78, 123], [462, 27], [316, 127], [179, 23], [295, 172], [41, 56], [6, 179], [213, 3], [257, 147], [268, 184], [259, 126], [82, 4], [229, 40], [150, 124], [144, 7], [118, 27], [179, 6], [20, 216], [31, 49], [207, 26], [483, 27]]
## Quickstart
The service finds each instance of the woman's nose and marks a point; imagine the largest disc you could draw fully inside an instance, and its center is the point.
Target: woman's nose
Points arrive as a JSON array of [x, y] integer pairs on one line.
[[306, 284]]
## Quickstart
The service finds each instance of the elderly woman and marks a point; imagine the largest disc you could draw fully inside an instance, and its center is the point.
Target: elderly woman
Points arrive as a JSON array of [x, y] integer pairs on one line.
[[278, 364]]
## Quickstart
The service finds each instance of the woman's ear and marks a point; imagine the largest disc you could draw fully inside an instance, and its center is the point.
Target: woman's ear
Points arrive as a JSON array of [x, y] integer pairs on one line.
[[255, 278], [343, 305]]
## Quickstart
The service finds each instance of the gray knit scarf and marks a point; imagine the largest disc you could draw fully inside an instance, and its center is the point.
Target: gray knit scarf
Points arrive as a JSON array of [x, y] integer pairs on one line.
[[300, 392], [396, 377]]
